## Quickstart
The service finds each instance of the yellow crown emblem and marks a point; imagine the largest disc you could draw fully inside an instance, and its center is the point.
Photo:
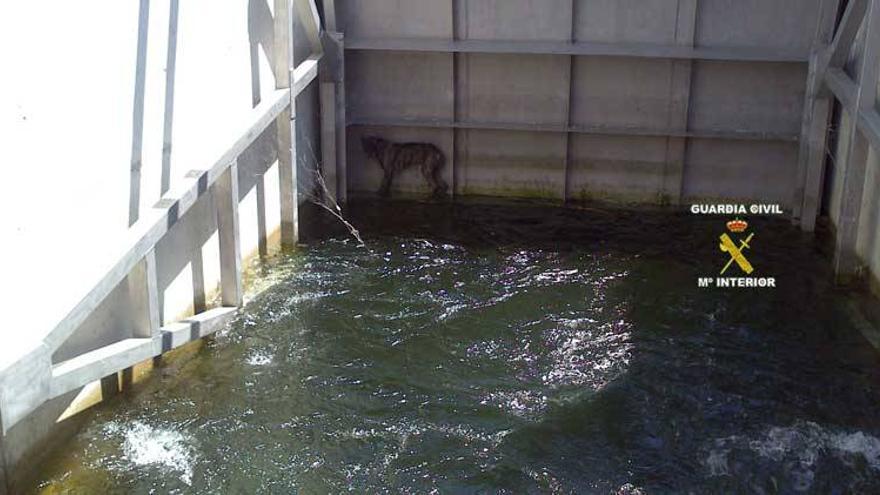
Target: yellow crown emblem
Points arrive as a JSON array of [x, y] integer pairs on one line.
[[737, 225]]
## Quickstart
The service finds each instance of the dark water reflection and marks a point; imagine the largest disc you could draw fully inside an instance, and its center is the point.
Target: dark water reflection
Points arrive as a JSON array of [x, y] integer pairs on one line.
[[480, 348]]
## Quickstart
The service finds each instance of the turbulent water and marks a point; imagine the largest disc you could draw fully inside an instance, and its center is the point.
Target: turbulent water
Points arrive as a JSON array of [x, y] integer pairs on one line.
[[480, 348]]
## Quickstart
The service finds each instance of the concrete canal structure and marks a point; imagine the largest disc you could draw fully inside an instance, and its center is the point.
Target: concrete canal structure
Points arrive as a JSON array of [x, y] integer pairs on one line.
[[226, 111]]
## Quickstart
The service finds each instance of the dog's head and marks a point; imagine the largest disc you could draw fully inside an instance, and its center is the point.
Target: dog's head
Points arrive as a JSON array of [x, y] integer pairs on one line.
[[373, 146]]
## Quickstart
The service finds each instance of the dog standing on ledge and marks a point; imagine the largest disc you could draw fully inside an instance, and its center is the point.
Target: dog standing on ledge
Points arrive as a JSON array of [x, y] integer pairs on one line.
[[395, 157]]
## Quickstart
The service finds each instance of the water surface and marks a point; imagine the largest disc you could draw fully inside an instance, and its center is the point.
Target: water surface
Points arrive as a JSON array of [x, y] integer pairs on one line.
[[484, 348]]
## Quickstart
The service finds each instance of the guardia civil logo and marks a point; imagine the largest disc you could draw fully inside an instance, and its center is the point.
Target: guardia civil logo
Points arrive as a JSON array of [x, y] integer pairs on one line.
[[736, 243], [727, 245]]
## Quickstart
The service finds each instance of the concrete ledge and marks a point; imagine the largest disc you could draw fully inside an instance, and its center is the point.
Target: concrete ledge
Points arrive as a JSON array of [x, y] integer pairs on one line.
[[195, 327], [101, 362], [579, 48], [580, 129]]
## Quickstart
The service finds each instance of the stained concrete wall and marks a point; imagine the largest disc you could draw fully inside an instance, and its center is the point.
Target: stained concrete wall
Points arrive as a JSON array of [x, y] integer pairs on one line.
[[505, 115], [69, 120]]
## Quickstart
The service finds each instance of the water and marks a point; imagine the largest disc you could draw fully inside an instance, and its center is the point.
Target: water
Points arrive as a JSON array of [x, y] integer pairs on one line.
[[480, 348]]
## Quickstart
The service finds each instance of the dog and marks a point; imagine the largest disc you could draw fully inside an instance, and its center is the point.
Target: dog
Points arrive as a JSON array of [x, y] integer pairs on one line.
[[396, 157]]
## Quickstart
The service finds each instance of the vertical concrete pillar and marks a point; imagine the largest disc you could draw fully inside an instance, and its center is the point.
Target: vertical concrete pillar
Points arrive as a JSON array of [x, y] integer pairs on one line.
[[329, 153], [332, 99], [567, 139], [846, 262], [285, 124], [680, 96], [110, 386], [226, 205], [459, 23], [453, 35], [143, 291], [814, 125], [341, 128]]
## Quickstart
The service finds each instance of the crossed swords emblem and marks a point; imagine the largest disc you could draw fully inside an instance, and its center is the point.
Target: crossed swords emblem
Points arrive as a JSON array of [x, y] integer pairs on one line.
[[736, 253]]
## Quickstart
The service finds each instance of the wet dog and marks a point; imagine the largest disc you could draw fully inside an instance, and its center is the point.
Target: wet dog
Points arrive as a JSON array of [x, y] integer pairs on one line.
[[396, 157]]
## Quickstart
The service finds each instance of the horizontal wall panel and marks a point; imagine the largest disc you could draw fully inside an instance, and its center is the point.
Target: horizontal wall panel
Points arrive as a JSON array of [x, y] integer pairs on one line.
[[521, 89], [718, 169], [614, 168], [395, 18], [621, 92], [773, 24], [736, 96], [510, 163], [365, 175], [626, 21], [399, 85], [515, 20]]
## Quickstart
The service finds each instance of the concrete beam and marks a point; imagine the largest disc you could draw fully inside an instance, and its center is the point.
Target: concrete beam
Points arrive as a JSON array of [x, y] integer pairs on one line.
[[846, 32], [193, 328], [310, 22], [635, 50], [843, 87], [304, 74], [330, 16], [101, 362], [736, 135]]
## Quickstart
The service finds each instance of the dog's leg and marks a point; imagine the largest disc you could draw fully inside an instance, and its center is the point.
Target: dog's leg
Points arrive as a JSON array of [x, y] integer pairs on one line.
[[431, 171], [385, 190]]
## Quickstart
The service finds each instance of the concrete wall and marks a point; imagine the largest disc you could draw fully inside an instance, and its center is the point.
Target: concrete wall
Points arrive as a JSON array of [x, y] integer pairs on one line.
[[582, 126], [868, 238], [72, 125]]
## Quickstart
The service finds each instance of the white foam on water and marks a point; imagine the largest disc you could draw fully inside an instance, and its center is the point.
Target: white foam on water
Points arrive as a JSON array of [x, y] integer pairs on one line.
[[588, 357], [630, 489], [525, 404], [259, 358], [145, 445], [800, 448]]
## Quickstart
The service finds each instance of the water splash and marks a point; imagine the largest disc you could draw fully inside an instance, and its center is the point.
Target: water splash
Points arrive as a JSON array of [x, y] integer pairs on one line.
[[145, 445]]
